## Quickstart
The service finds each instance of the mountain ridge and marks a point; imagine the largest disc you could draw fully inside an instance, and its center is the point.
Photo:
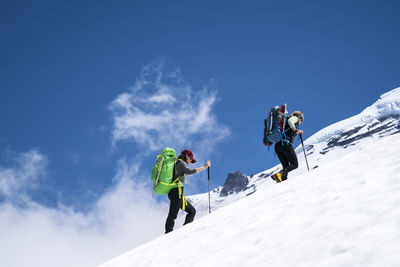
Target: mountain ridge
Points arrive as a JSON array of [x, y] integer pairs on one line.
[[380, 119], [340, 213]]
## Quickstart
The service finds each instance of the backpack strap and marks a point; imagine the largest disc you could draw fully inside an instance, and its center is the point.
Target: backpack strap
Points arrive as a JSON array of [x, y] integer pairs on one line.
[[283, 136], [175, 182], [271, 119], [159, 170], [181, 189], [182, 195]]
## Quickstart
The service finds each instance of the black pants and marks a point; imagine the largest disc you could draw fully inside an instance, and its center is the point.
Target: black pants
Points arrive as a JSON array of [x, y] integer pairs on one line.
[[287, 156], [174, 206]]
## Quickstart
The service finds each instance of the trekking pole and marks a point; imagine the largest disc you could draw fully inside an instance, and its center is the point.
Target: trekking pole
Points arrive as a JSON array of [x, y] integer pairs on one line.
[[209, 199], [301, 138]]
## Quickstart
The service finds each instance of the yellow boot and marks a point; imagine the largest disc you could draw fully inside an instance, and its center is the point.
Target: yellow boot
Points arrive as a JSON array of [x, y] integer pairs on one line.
[[277, 177]]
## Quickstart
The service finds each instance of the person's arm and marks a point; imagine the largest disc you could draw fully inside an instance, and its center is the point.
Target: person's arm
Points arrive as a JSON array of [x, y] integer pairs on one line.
[[182, 167], [208, 164], [292, 124]]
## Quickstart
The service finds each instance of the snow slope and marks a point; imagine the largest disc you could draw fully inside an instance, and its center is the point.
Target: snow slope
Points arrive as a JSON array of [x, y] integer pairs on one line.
[[344, 212], [377, 121]]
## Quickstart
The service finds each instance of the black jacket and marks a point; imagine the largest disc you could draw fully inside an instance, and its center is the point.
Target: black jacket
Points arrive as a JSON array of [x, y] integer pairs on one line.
[[290, 134]]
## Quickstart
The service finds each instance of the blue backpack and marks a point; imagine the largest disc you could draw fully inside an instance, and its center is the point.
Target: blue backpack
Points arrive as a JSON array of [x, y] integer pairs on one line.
[[274, 125]]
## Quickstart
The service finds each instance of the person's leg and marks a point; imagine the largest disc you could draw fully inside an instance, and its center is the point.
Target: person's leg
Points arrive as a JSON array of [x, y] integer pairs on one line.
[[175, 204], [291, 157], [191, 212], [279, 150]]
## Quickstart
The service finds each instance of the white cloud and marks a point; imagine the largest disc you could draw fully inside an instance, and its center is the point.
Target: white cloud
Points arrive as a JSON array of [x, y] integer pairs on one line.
[[163, 110], [35, 235], [23, 174], [162, 98], [159, 110]]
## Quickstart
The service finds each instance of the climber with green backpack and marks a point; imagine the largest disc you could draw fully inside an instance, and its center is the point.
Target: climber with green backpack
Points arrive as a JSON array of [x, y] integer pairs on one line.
[[168, 176]]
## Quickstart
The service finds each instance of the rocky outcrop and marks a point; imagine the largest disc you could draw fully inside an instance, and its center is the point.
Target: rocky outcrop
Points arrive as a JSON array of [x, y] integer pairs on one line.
[[382, 127], [235, 182]]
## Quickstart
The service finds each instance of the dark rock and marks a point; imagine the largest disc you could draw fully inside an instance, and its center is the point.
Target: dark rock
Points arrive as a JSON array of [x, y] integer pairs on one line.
[[343, 138], [265, 175], [251, 193], [309, 147], [386, 126], [324, 151], [235, 182], [373, 125]]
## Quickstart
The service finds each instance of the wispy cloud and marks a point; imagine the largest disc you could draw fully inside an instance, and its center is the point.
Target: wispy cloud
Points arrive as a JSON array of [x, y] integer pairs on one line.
[[162, 109], [22, 174], [35, 235]]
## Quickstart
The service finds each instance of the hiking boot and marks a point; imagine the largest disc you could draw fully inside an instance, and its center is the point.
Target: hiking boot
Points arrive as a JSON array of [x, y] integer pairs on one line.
[[277, 177], [280, 176], [284, 174]]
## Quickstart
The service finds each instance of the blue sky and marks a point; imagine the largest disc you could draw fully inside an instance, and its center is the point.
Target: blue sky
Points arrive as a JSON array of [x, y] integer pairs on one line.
[[64, 63], [90, 91]]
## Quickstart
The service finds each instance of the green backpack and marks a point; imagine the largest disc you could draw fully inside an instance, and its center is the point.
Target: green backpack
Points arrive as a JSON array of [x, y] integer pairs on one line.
[[163, 172]]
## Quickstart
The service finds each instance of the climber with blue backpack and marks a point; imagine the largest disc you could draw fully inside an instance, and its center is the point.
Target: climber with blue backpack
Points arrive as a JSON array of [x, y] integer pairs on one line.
[[168, 176], [281, 129]]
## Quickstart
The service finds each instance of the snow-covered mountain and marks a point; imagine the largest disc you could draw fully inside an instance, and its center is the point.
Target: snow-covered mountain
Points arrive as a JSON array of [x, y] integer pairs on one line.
[[378, 120], [345, 211]]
